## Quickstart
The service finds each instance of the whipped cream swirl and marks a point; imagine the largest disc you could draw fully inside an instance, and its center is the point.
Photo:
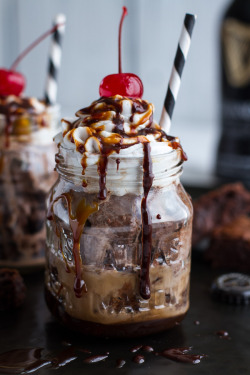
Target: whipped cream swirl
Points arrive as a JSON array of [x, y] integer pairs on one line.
[[115, 125]]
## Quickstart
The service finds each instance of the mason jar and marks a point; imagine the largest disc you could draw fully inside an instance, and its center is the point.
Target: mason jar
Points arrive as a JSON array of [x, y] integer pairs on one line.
[[94, 254], [26, 175]]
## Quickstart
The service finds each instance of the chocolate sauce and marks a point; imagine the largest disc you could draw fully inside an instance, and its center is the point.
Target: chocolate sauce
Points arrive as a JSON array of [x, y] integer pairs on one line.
[[223, 334], [77, 222], [147, 348], [180, 355], [139, 359], [117, 164], [146, 224], [120, 363], [64, 357], [102, 170], [96, 358], [135, 348], [22, 361]]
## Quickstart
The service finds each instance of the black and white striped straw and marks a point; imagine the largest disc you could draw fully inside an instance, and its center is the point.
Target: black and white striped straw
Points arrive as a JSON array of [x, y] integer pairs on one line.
[[175, 78], [54, 60]]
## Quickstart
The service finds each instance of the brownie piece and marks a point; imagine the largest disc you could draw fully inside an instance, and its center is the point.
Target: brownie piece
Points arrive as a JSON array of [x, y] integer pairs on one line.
[[218, 207], [12, 289], [230, 245]]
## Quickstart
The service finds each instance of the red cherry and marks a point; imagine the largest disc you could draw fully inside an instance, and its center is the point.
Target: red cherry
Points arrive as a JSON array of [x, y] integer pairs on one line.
[[125, 84], [11, 82]]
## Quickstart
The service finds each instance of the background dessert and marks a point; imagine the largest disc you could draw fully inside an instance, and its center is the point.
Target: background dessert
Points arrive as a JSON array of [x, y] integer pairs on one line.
[[27, 173], [27, 127]]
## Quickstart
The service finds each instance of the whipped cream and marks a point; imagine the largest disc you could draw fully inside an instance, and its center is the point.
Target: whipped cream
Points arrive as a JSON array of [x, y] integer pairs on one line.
[[114, 125]]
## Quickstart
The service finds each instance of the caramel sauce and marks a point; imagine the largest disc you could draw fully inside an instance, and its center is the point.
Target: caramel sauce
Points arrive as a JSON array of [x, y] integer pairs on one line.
[[76, 222]]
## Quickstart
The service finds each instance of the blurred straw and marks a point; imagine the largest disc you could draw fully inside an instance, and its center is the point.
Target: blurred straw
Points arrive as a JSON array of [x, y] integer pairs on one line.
[[175, 78], [55, 60]]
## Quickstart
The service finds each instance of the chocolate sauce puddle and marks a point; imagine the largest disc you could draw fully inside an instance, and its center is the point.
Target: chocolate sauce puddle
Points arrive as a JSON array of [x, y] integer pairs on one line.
[[139, 359], [135, 349], [96, 358], [22, 361], [77, 222], [146, 223], [64, 357], [181, 355], [26, 361], [120, 363]]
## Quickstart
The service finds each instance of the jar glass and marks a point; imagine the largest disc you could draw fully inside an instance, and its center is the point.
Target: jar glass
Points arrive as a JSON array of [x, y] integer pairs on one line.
[[96, 246], [26, 175]]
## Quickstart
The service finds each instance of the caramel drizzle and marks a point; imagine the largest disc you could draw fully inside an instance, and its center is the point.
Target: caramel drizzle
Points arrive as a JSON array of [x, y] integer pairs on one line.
[[77, 222]]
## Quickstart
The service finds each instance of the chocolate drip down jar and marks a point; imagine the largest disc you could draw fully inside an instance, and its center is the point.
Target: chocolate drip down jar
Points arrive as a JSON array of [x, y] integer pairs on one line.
[[27, 127], [119, 223]]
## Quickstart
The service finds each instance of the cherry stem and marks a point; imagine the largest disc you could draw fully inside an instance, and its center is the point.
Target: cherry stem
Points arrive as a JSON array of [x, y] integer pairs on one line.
[[34, 44], [124, 13]]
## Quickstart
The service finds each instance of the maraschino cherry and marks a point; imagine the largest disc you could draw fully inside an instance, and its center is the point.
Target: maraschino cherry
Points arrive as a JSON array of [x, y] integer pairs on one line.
[[125, 84], [12, 82]]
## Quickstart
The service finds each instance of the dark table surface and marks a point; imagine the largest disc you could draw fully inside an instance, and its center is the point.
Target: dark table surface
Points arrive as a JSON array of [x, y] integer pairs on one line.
[[32, 326]]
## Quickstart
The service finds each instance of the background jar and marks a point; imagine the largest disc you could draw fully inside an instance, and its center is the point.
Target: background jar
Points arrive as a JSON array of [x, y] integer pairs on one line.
[[110, 246], [26, 175]]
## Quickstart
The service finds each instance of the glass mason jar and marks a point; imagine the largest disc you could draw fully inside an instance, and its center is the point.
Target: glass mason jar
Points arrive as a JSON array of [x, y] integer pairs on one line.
[[94, 247], [26, 175]]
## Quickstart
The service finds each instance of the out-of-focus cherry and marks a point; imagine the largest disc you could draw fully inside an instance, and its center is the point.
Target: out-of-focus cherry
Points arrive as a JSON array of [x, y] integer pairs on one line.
[[125, 84], [11, 82]]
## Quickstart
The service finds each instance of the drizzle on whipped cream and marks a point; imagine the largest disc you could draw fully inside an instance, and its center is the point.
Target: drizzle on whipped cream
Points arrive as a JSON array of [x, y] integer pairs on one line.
[[110, 125]]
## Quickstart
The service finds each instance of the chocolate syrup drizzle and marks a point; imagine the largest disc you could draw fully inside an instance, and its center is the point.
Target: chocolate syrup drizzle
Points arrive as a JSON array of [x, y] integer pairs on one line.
[[146, 223]]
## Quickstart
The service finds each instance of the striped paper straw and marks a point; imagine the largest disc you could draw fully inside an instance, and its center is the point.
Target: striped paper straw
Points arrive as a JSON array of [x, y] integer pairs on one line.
[[175, 78], [54, 60]]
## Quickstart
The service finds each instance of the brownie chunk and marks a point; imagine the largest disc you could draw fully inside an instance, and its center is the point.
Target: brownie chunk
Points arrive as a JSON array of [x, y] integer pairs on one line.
[[12, 289], [218, 207], [230, 245]]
